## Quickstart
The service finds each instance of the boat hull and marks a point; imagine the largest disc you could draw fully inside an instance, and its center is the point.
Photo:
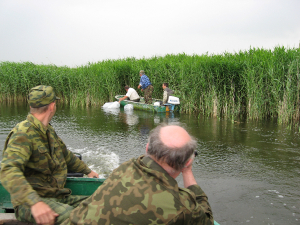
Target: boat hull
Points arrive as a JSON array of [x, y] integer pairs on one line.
[[145, 107], [78, 185]]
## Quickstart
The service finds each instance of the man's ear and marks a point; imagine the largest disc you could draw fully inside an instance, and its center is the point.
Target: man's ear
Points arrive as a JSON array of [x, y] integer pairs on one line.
[[147, 147], [189, 162], [51, 106]]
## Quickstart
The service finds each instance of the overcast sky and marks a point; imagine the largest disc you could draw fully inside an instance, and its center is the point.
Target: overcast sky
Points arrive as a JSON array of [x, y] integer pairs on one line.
[[73, 32]]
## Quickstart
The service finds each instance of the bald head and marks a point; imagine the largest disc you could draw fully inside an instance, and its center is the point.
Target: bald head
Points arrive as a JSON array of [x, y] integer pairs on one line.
[[174, 136], [172, 145]]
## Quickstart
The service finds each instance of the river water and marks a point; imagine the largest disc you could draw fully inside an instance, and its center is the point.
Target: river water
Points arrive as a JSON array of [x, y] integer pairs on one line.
[[249, 170]]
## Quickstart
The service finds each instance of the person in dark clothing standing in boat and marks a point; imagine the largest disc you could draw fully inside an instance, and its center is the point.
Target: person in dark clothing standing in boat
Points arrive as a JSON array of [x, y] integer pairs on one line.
[[167, 92], [146, 86]]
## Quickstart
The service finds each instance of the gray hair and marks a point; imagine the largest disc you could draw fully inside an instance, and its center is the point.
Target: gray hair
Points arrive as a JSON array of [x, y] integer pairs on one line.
[[174, 157], [142, 72]]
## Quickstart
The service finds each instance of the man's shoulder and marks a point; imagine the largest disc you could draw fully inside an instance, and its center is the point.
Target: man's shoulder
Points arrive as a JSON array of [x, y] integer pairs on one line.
[[125, 165], [20, 133], [129, 169], [131, 90], [22, 127]]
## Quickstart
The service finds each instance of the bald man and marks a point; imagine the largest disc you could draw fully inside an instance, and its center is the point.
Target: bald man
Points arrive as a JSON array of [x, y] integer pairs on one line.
[[144, 190]]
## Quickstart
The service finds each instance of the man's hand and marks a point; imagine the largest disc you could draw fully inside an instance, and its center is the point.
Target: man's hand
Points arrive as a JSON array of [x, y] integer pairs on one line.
[[121, 99], [43, 214], [139, 86], [93, 174], [187, 174]]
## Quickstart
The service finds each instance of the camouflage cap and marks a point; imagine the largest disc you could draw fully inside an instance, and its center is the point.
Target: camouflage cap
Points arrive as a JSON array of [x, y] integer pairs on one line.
[[40, 96]]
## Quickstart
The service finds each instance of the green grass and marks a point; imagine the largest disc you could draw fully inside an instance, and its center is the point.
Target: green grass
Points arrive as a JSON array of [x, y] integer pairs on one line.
[[253, 84]]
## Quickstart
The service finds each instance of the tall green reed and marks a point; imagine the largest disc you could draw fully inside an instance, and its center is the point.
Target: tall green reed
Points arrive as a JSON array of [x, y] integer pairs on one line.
[[252, 84]]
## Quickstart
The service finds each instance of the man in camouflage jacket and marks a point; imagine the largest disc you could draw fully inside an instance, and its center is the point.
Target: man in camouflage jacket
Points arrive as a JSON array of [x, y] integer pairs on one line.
[[35, 163], [167, 92], [144, 190]]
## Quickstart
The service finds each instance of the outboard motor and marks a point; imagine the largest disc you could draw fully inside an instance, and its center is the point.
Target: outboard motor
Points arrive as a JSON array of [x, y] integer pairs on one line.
[[73, 174]]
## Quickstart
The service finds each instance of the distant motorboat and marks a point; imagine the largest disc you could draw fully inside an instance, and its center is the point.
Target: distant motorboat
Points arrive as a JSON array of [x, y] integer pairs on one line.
[[154, 107]]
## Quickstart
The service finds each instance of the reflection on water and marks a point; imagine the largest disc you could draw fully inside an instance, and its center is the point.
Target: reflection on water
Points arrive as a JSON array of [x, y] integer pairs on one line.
[[111, 111], [250, 171]]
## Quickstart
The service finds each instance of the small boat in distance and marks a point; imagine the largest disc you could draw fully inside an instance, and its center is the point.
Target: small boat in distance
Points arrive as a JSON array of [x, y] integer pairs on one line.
[[148, 107]]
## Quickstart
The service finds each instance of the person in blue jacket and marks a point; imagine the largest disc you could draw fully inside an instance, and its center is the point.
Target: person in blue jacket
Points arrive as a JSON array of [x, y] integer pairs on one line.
[[146, 86]]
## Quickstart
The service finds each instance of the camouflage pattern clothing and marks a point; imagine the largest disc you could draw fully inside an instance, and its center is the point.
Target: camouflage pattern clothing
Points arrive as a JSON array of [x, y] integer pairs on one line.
[[148, 94], [41, 95], [141, 192], [167, 92], [35, 163], [62, 206]]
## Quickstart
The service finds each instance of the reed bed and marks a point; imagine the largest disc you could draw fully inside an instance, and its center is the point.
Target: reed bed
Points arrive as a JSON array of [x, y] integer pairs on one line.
[[252, 84]]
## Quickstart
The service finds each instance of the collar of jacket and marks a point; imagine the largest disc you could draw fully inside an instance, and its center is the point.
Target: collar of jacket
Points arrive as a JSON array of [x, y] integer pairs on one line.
[[156, 168], [38, 124]]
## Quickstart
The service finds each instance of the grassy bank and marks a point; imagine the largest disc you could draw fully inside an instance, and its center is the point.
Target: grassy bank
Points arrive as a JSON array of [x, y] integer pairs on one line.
[[256, 84]]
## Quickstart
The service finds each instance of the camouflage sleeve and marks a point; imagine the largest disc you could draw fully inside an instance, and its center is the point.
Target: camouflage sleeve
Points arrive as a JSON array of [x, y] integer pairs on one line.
[[74, 164], [165, 97], [201, 199], [15, 158]]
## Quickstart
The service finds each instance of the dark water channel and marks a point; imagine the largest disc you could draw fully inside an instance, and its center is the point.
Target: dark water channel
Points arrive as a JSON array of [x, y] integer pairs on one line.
[[249, 170]]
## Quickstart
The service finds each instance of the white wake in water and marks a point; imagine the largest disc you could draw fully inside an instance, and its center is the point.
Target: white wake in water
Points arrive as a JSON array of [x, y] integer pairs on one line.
[[99, 160]]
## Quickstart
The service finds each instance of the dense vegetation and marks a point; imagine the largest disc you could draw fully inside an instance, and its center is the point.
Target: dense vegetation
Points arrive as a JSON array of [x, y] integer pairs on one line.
[[253, 84]]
